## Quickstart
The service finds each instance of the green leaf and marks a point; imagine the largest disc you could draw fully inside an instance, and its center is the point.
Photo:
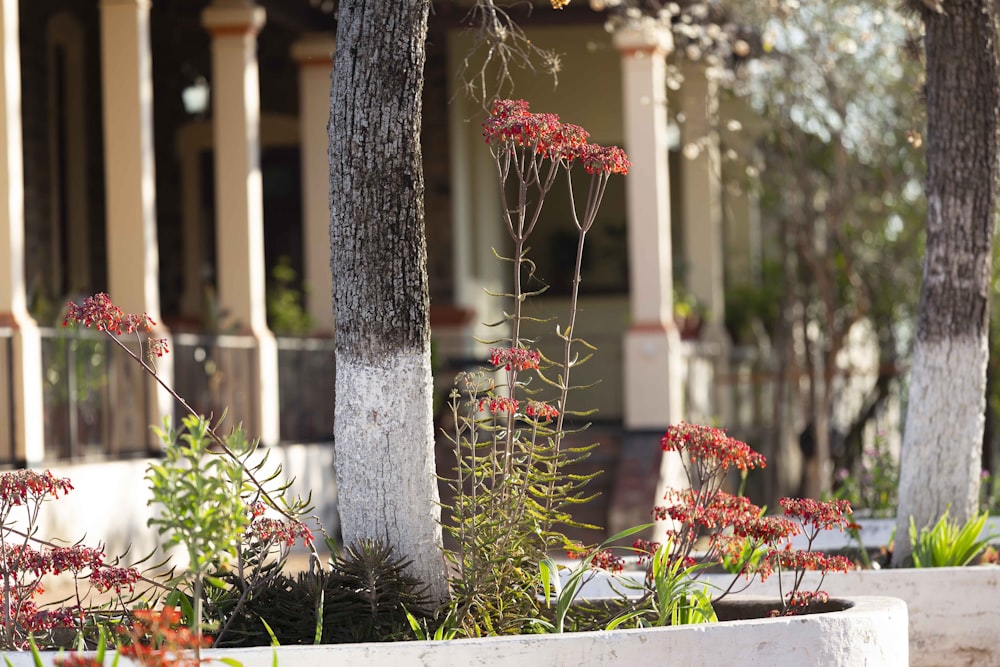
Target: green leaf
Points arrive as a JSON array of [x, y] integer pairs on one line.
[[270, 633], [102, 639], [318, 635], [547, 567], [36, 656]]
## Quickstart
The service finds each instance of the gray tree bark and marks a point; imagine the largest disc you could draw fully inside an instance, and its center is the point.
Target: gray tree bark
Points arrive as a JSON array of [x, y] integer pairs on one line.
[[944, 423], [383, 433]]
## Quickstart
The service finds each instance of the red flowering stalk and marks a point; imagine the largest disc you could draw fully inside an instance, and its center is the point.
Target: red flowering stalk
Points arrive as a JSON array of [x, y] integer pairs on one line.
[[21, 565], [511, 492], [813, 516], [18, 487], [100, 313], [530, 151], [739, 535]]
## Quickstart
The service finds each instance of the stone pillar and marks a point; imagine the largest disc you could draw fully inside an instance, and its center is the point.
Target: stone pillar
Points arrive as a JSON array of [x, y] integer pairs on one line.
[[701, 197], [741, 211], [239, 202], [476, 228], [652, 357], [130, 186], [652, 392], [314, 54], [24, 365], [704, 240]]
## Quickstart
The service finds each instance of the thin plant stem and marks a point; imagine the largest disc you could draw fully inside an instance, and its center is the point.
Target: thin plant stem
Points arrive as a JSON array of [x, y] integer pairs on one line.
[[210, 430]]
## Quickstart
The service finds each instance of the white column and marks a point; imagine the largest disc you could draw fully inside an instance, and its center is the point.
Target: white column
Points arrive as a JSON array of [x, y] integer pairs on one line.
[[25, 370], [239, 201], [701, 199], [314, 54], [133, 255], [738, 132], [652, 350], [130, 186], [652, 379]]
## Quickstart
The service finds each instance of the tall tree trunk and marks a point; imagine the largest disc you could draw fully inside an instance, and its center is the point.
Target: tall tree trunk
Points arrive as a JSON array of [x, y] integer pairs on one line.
[[944, 423], [383, 433]]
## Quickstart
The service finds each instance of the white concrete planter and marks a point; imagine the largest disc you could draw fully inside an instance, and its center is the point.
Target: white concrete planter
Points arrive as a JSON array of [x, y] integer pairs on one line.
[[954, 612], [873, 632]]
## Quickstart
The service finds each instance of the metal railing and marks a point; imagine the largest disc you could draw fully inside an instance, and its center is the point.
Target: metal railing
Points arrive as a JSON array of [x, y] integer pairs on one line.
[[214, 374], [76, 393], [83, 375], [306, 377]]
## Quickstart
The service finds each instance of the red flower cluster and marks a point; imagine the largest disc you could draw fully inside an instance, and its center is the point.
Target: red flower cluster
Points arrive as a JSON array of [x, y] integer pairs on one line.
[[100, 313], [819, 515], [603, 560], [269, 530], [108, 577], [515, 357], [607, 560], [597, 159], [645, 549], [257, 509], [711, 444], [738, 532], [575, 551], [540, 410], [789, 559], [158, 346], [74, 559], [688, 508], [499, 405], [19, 486], [21, 558], [42, 620], [512, 126]]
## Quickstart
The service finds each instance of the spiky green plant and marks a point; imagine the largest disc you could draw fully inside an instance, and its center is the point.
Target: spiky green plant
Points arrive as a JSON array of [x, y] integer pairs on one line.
[[366, 596], [948, 543]]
